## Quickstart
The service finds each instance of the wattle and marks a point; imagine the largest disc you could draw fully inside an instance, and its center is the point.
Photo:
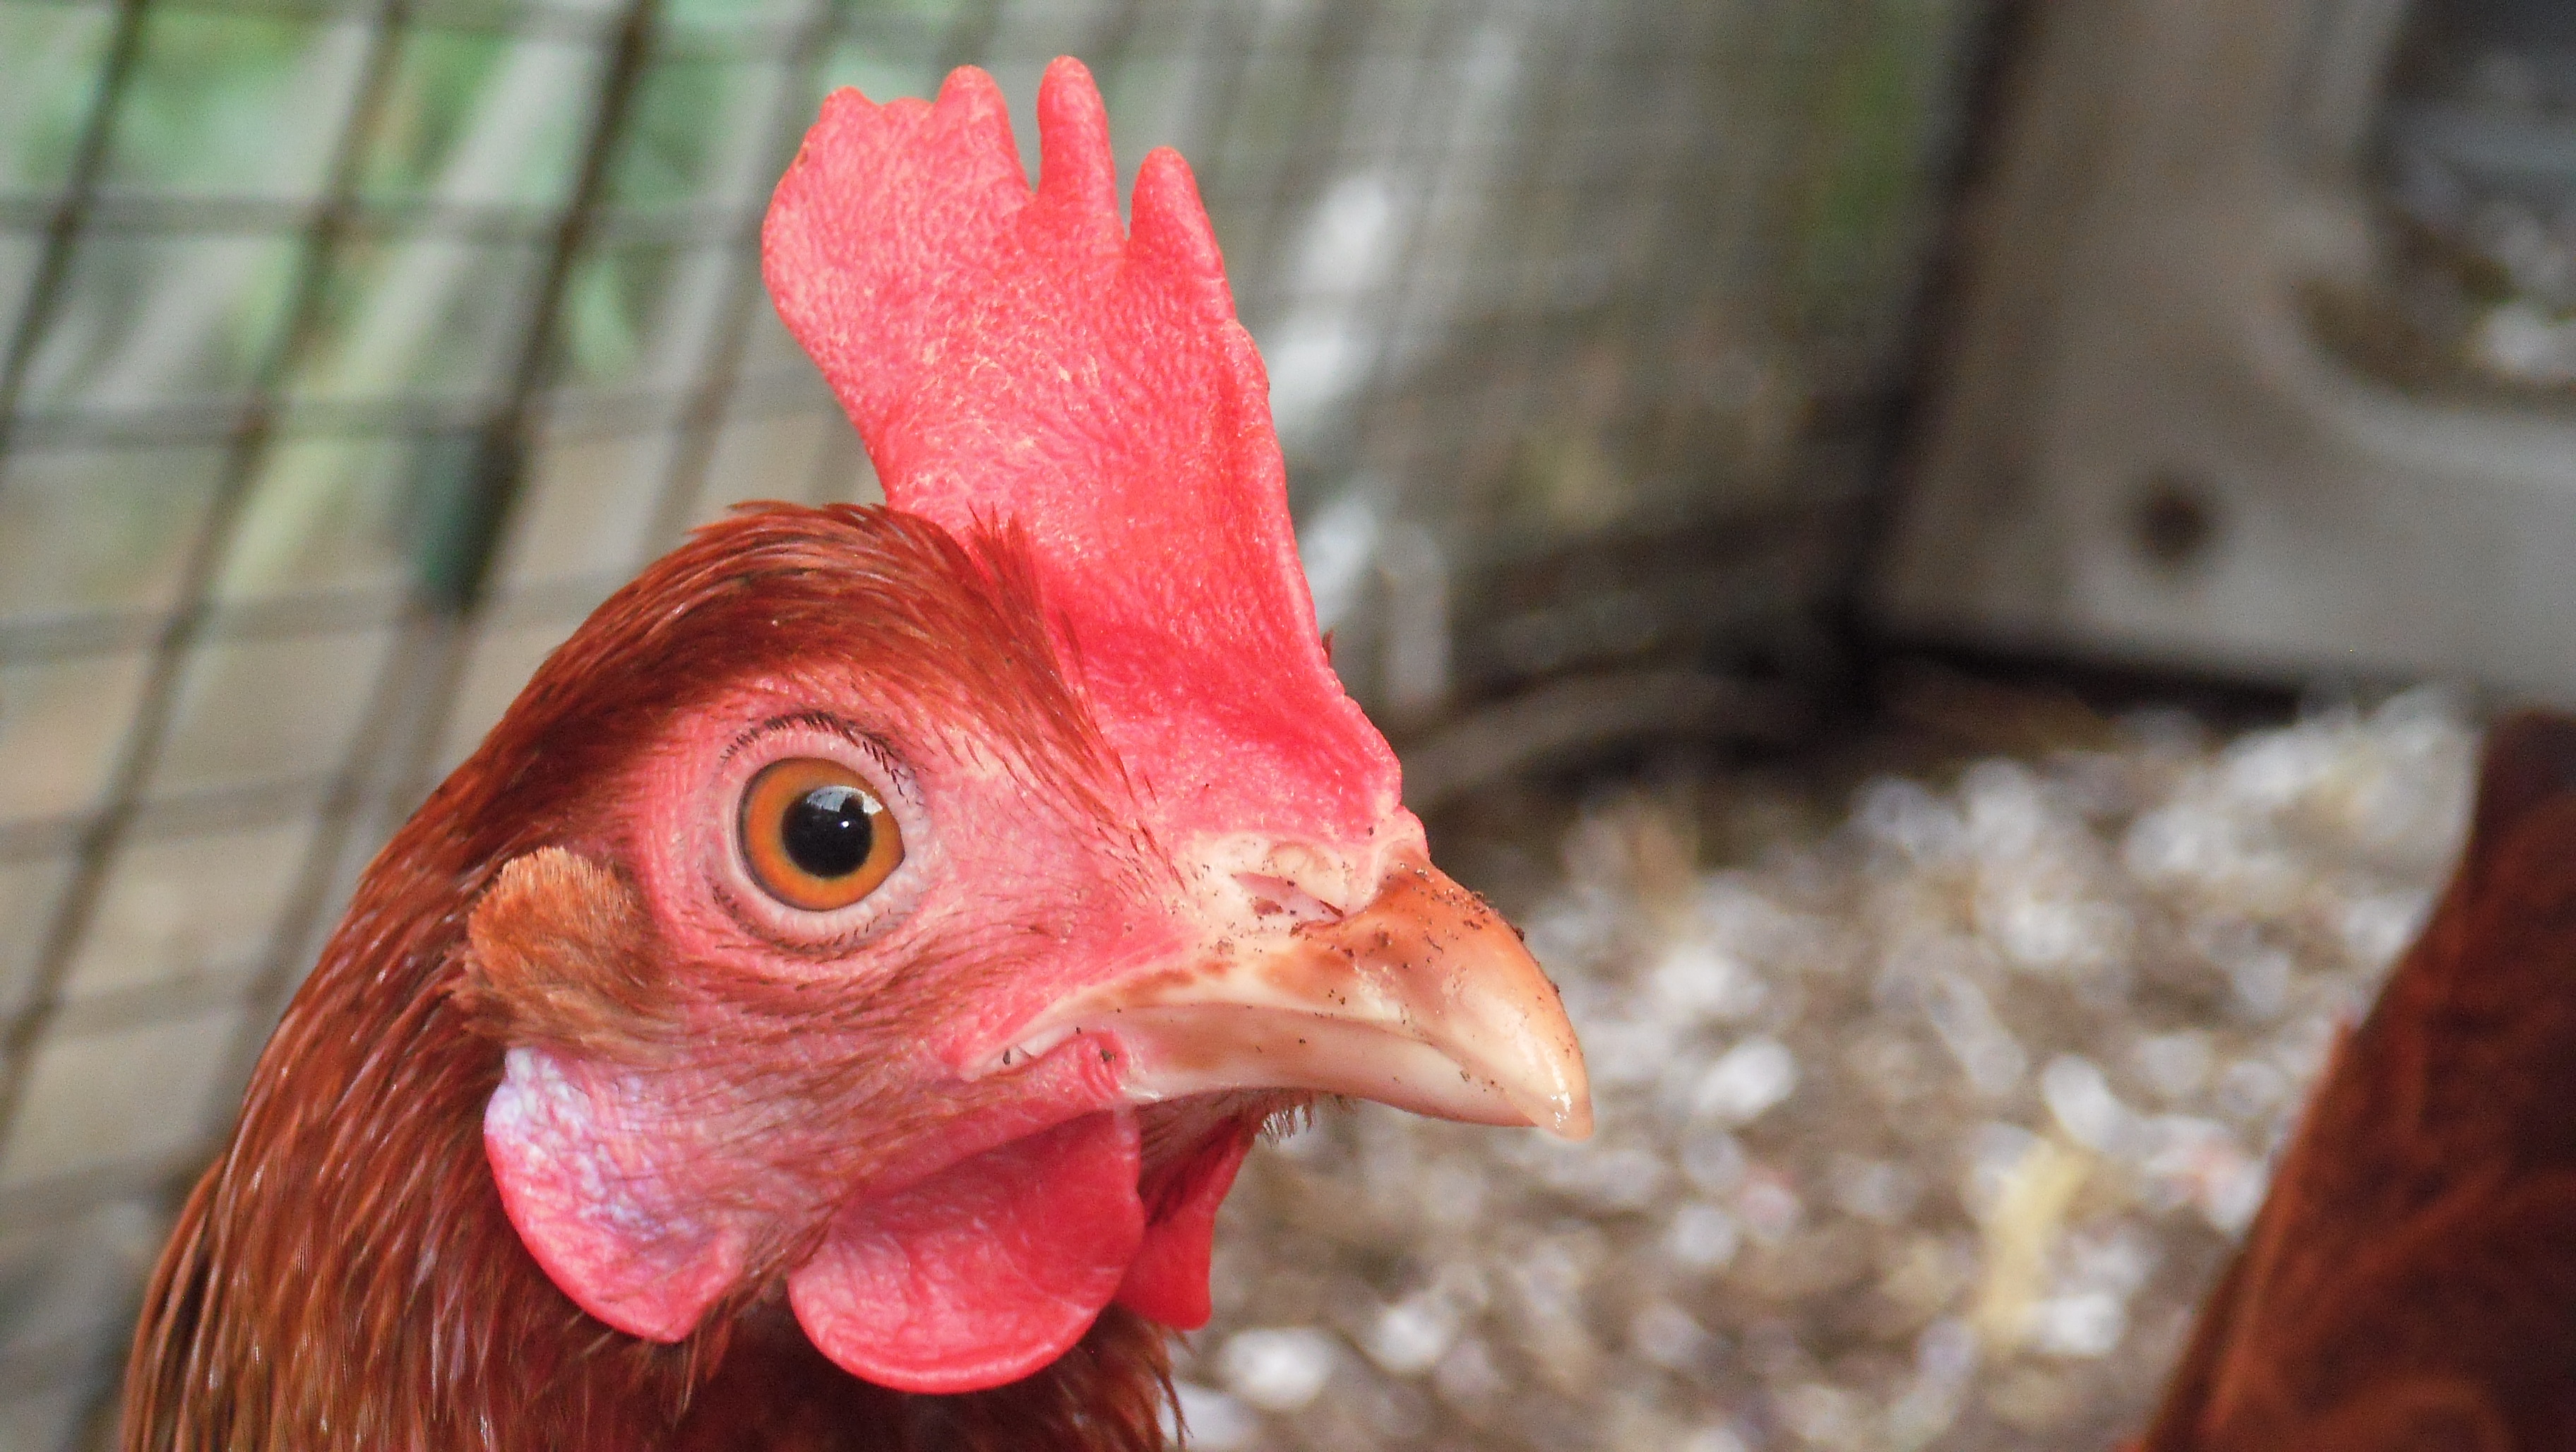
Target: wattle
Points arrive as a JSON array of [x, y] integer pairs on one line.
[[1168, 1279], [996, 1266], [986, 1271]]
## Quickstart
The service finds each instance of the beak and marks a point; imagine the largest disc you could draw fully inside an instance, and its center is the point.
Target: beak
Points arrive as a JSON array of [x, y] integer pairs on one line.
[[1424, 999]]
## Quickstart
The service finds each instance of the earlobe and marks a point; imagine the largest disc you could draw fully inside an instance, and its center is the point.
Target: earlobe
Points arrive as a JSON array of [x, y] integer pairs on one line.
[[601, 1217], [562, 953]]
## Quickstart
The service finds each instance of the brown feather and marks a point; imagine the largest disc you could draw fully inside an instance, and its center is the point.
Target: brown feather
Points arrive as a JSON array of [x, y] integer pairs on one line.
[[2411, 1281]]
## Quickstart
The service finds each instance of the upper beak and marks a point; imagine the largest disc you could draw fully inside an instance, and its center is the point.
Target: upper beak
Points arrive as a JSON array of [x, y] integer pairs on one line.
[[1424, 999]]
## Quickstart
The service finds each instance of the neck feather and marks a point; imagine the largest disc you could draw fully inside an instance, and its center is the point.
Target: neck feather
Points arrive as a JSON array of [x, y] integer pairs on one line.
[[344, 1277]]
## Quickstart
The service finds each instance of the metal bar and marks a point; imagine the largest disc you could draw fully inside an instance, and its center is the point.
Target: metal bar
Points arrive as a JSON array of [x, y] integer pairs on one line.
[[106, 632], [2002, 36], [1652, 313], [167, 1001], [41, 837], [45, 290], [367, 219], [398, 736], [148, 732], [1521, 334], [498, 471], [50, 1201], [211, 809], [579, 410], [1332, 50], [550, 21], [704, 414]]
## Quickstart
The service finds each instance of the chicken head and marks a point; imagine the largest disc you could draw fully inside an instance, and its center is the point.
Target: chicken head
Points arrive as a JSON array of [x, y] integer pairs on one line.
[[923, 909]]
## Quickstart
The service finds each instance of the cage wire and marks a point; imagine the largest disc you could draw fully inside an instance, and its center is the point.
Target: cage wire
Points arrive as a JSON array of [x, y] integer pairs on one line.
[[354, 351]]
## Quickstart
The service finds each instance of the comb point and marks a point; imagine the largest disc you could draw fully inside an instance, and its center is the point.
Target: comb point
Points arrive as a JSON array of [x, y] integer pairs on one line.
[[1077, 170], [1170, 230]]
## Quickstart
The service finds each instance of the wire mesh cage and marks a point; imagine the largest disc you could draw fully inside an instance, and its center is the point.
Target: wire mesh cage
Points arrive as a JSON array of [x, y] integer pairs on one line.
[[353, 351]]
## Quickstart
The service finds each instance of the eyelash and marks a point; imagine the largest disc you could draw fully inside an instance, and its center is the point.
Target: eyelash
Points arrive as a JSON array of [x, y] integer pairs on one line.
[[741, 899], [877, 751]]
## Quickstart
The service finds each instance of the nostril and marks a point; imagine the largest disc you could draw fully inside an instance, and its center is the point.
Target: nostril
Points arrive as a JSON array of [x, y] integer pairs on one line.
[[1275, 897]]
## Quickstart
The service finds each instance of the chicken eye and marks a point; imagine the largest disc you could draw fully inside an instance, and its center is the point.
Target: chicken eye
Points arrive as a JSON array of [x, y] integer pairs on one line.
[[814, 836]]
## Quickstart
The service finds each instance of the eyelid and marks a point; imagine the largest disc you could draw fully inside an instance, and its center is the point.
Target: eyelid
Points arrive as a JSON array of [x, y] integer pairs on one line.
[[898, 778], [737, 889]]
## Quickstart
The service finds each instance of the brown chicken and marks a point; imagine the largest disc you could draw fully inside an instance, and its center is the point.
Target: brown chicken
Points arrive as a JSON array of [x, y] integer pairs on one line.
[[2411, 1282], [828, 1009]]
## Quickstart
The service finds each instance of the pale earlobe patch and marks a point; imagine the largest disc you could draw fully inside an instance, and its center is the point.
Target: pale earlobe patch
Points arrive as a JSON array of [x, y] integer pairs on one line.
[[584, 1182]]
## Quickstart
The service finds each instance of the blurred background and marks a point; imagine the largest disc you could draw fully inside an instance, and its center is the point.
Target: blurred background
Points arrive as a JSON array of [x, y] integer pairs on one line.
[[1944, 556]]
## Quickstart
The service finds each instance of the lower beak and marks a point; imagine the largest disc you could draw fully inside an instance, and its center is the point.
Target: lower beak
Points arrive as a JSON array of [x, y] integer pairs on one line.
[[1424, 999]]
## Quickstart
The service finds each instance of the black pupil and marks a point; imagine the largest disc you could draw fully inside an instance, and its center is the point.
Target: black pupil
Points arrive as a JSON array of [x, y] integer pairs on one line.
[[827, 831]]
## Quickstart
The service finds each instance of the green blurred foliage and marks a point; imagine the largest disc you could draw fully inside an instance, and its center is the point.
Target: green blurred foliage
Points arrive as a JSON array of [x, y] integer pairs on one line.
[[436, 137], [1882, 108], [233, 105], [49, 63], [142, 318], [682, 110]]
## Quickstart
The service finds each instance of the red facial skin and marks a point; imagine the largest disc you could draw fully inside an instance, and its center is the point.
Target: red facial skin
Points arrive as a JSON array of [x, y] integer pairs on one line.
[[781, 1081]]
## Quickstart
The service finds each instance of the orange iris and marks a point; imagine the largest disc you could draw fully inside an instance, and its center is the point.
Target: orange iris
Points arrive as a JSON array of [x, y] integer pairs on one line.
[[815, 837]]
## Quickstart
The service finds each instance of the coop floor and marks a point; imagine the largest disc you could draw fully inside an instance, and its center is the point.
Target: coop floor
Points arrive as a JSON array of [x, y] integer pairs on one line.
[[1936, 1075]]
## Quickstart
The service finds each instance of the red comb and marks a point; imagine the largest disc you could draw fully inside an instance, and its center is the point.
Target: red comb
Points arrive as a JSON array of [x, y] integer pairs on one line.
[[1017, 357]]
